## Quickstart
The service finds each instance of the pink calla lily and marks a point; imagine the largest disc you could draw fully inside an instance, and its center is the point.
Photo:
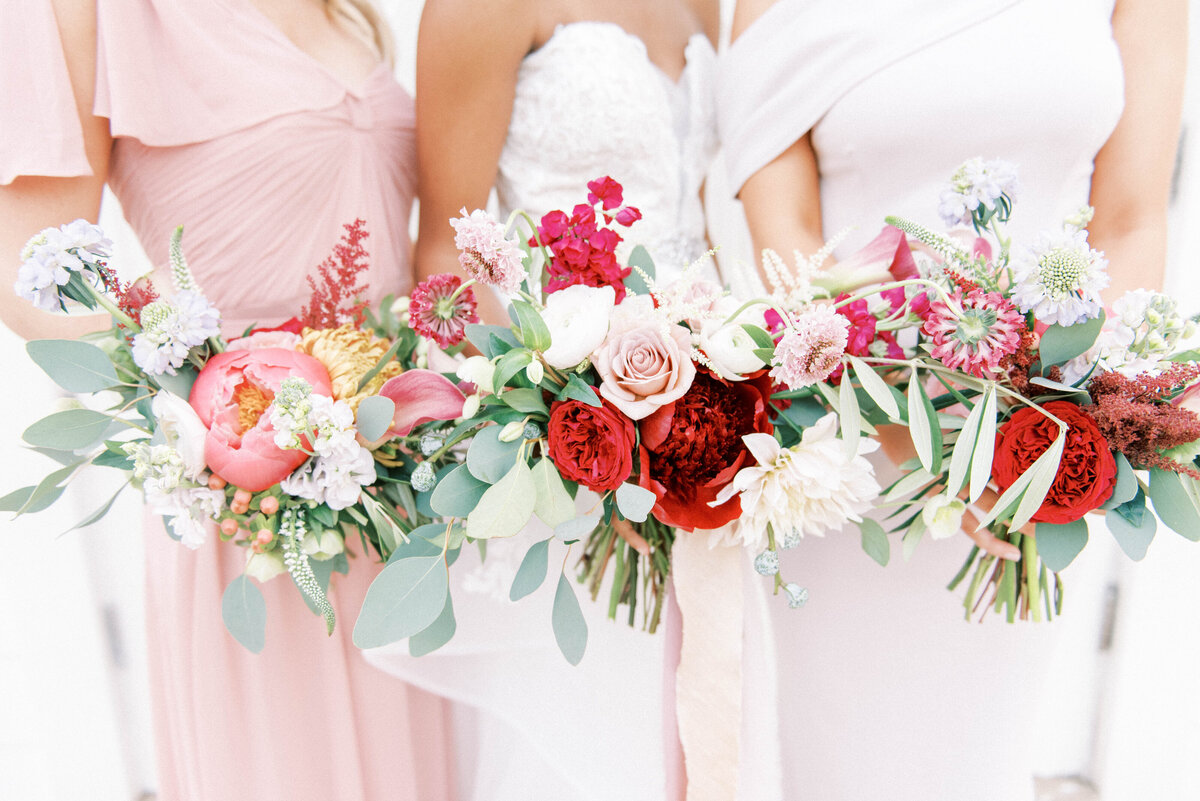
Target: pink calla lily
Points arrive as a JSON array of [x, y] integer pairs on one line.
[[421, 396], [885, 258]]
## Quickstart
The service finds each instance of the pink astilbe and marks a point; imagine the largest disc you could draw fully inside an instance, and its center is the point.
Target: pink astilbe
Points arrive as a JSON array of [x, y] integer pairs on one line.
[[439, 310], [988, 330], [1136, 418], [337, 296], [486, 254], [811, 348]]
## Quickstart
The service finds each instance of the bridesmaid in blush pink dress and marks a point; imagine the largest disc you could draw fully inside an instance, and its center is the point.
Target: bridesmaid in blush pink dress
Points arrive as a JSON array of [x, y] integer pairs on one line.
[[263, 126]]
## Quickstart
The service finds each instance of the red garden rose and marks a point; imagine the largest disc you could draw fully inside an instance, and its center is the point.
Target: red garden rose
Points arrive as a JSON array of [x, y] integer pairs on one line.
[[591, 445], [693, 447], [1086, 473]]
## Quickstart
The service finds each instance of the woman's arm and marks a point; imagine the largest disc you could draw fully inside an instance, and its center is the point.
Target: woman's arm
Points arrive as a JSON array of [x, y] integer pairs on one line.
[[468, 54], [31, 203], [1132, 181]]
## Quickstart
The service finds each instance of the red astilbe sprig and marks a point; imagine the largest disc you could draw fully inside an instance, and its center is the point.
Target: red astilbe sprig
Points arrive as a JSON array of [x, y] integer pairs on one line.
[[132, 296], [1137, 420], [337, 295]]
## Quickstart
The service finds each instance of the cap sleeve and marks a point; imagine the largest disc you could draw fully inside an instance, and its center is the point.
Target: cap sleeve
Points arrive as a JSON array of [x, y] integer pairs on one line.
[[41, 134]]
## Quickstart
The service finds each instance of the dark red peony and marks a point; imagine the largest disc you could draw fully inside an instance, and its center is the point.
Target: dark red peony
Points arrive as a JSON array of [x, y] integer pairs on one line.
[[693, 447], [591, 445], [1086, 473]]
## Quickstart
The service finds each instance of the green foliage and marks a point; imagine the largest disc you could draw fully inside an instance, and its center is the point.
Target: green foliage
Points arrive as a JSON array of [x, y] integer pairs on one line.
[[875, 541], [635, 502], [505, 507], [374, 417], [923, 427], [570, 629], [404, 599], [70, 430], [245, 613], [488, 458], [1133, 537], [1059, 544], [1176, 501], [534, 333], [532, 571], [74, 366], [553, 504], [578, 389], [639, 257], [1060, 343], [437, 634], [457, 493]]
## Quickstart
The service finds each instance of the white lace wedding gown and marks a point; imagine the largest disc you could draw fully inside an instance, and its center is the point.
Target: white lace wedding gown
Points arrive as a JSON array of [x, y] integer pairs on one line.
[[588, 103], [885, 693]]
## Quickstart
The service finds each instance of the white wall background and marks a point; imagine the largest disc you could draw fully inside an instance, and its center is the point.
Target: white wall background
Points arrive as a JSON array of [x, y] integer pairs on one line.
[[73, 678]]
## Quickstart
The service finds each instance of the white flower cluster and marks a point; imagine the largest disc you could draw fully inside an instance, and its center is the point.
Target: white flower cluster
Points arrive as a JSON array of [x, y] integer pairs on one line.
[[1059, 279], [290, 411], [339, 467], [170, 329], [976, 183], [48, 260], [1144, 329]]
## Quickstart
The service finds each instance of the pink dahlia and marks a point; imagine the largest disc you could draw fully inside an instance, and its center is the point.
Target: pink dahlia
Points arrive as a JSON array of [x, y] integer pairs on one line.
[[486, 254], [440, 309], [988, 330], [811, 348]]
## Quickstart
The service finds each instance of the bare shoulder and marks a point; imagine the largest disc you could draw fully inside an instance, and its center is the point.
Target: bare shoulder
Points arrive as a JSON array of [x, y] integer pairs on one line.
[[746, 12], [468, 24], [708, 12]]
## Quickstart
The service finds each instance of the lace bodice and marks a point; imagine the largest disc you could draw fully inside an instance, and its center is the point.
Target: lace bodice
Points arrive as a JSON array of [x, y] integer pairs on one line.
[[589, 103]]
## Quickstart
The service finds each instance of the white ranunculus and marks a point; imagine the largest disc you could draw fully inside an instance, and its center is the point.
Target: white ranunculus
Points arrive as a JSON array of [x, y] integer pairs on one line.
[[943, 516], [181, 429], [478, 370], [578, 319], [728, 347], [263, 567], [322, 545]]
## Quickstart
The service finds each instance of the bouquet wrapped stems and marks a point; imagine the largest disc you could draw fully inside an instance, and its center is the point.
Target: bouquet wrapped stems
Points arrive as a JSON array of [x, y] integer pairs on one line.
[[1019, 588], [626, 548]]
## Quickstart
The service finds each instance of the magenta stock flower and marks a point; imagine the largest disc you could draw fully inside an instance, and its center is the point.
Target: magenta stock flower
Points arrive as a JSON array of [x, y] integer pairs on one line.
[[811, 348], [436, 312], [485, 253], [606, 192], [988, 330]]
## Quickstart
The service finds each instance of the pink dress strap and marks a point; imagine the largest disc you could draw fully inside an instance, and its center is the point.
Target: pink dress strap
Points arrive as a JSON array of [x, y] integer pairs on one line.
[[41, 134]]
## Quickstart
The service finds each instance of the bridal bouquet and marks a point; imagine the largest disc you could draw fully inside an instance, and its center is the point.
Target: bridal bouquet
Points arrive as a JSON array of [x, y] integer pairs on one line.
[[285, 441], [1020, 393], [622, 412]]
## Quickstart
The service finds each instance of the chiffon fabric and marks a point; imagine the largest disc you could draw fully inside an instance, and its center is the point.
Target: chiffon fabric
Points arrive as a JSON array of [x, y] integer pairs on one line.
[[590, 103], [223, 124], [885, 692]]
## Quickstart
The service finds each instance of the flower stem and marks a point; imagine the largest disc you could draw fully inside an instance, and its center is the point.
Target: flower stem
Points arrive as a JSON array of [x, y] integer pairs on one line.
[[105, 303]]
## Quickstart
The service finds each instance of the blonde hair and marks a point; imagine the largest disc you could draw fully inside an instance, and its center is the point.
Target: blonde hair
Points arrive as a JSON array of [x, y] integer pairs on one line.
[[364, 19]]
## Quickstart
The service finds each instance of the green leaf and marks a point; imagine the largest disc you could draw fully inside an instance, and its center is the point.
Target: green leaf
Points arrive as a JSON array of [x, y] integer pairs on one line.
[[382, 519], [760, 336], [985, 446], [524, 400], [635, 502], [404, 599], [509, 365], [179, 384], [481, 337], [553, 504], [908, 484], [639, 257], [533, 328], [1062, 343], [578, 389], [1134, 538], [876, 387], [245, 613], [576, 529], [570, 629], [1043, 472], [113, 458], [48, 490], [912, 537], [437, 634], [99, 514], [1059, 544], [457, 493], [74, 366], [488, 458], [388, 355], [1176, 502], [532, 571], [1134, 509], [803, 412], [16, 499], [505, 507], [851, 417], [964, 448], [875, 541], [1126, 488], [68, 431], [923, 427], [375, 415]]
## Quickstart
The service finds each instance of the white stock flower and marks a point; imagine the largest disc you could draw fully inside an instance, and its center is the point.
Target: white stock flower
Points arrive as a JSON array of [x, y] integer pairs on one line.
[[943, 516], [975, 183], [810, 488], [1059, 279], [172, 328], [182, 430], [1144, 329], [289, 412], [578, 318], [191, 511], [340, 467]]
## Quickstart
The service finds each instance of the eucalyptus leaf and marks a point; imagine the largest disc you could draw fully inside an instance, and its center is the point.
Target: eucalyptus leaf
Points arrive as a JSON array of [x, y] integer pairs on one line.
[[534, 332], [1133, 510], [639, 257], [488, 458], [457, 493], [552, 503], [1175, 502], [505, 507], [99, 514], [74, 366], [481, 337], [48, 490], [635, 502], [437, 634], [875, 541], [375, 415], [1059, 544], [570, 629], [1061, 343], [245, 613], [876, 387], [1134, 539], [576, 529], [404, 599], [70, 430], [532, 571], [1125, 488], [179, 384], [803, 412]]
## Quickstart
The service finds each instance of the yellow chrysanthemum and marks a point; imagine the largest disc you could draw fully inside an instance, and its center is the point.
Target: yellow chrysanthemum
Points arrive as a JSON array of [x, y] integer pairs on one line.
[[349, 354]]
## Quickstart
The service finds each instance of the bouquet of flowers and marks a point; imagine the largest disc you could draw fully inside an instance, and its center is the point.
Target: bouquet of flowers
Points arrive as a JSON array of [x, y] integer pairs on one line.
[[622, 412], [1019, 392], [285, 441]]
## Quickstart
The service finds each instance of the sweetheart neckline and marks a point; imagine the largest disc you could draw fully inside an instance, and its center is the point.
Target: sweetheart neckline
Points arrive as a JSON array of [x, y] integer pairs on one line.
[[676, 82]]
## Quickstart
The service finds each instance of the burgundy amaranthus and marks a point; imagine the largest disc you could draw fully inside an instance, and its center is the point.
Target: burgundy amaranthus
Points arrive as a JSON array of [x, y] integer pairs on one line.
[[131, 297], [1137, 420], [337, 295]]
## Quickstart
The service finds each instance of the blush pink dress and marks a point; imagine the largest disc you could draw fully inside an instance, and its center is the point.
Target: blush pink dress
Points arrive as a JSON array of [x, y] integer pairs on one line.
[[223, 124]]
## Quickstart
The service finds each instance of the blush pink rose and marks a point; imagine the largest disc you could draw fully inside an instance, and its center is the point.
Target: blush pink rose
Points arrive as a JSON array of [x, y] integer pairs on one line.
[[231, 395], [640, 369]]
